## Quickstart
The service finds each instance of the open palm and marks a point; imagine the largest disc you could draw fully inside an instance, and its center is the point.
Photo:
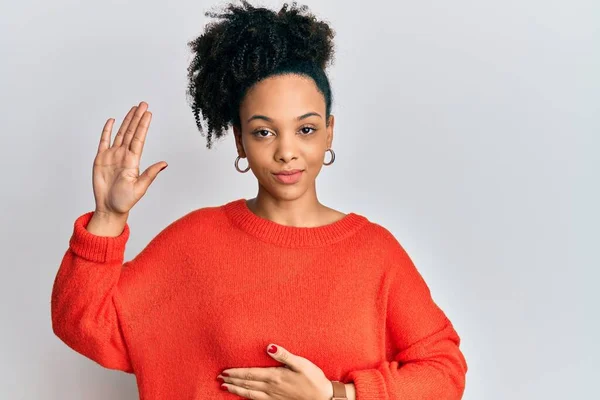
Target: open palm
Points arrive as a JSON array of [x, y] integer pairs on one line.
[[117, 183]]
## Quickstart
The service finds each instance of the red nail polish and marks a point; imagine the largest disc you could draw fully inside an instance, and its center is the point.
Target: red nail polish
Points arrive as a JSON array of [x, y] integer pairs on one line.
[[221, 380], [223, 387], [273, 349], [224, 374]]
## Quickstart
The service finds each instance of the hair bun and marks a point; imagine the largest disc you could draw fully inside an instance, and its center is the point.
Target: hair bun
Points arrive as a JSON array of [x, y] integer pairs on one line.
[[245, 44]]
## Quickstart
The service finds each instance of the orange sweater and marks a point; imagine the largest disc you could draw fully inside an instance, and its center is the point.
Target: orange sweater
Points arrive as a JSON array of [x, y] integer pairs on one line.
[[219, 284]]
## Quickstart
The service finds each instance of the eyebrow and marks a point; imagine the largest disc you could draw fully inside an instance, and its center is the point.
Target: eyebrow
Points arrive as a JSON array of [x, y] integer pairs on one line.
[[264, 117]]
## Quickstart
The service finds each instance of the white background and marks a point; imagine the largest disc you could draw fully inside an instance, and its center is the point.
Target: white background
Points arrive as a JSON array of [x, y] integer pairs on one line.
[[467, 128]]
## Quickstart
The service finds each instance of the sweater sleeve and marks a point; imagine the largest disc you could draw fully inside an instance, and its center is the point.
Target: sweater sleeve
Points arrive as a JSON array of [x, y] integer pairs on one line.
[[427, 362], [85, 296]]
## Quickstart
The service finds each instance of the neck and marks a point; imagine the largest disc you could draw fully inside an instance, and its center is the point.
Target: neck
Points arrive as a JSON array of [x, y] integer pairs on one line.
[[303, 211]]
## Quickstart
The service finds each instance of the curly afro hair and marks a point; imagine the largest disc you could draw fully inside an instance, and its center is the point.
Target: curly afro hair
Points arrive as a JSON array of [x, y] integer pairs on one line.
[[247, 45]]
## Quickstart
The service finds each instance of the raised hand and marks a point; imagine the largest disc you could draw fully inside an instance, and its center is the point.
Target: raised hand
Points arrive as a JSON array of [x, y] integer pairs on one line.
[[117, 183]]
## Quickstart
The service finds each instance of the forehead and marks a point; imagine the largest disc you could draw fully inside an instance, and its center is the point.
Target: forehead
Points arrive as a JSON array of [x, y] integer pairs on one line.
[[283, 97]]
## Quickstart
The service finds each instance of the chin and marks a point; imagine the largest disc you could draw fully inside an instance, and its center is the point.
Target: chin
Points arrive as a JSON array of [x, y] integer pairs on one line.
[[287, 193]]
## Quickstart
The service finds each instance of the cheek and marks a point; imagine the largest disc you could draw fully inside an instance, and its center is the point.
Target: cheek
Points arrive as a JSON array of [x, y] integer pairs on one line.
[[315, 163], [260, 160]]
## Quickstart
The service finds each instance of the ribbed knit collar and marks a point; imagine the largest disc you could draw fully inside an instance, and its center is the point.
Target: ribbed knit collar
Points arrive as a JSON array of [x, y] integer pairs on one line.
[[291, 236]]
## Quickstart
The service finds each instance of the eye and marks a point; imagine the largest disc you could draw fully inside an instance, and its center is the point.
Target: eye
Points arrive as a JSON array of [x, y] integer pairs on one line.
[[257, 133], [307, 127]]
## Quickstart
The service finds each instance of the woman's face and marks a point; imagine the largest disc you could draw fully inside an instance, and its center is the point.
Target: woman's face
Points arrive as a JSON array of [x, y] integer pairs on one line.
[[284, 128]]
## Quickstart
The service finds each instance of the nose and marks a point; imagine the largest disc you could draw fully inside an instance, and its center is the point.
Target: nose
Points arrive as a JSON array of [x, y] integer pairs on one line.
[[286, 148]]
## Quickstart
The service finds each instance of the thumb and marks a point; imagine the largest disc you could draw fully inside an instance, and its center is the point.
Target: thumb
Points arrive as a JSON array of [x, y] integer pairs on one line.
[[284, 356], [148, 176]]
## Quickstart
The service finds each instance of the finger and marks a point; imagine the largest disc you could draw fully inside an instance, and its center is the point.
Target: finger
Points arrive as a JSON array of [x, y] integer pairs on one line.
[[282, 355], [247, 383], [139, 113], [105, 137], [247, 392], [121, 132], [260, 374], [137, 142], [146, 178]]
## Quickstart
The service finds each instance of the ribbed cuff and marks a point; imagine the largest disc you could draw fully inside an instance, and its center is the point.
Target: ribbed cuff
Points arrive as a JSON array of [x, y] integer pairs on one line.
[[100, 249], [369, 384]]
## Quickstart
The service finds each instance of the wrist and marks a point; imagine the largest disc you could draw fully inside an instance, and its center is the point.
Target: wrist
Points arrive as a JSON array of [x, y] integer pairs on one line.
[[110, 216], [104, 224], [339, 390], [350, 391], [328, 392]]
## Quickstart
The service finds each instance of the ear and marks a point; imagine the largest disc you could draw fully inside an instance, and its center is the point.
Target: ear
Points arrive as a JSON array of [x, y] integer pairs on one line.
[[330, 131], [239, 144]]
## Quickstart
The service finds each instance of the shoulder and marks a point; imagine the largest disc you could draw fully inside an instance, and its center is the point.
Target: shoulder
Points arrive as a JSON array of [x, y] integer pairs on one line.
[[206, 213], [382, 236], [192, 229], [199, 219], [191, 223]]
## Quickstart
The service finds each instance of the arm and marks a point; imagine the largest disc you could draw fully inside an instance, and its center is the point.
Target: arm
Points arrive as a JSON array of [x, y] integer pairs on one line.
[[85, 296], [427, 363]]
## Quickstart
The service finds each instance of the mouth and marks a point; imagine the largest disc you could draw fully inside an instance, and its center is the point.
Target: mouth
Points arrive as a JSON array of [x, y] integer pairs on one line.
[[289, 172], [289, 177]]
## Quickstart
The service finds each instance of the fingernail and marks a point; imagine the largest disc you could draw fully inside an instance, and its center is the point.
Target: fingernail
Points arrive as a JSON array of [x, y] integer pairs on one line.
[[163, 167], [273, 349], [223, 387], [224, 374], [220, 379]]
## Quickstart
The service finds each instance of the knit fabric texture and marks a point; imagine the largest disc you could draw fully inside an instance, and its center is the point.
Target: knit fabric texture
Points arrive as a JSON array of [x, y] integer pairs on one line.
[[216, 286]]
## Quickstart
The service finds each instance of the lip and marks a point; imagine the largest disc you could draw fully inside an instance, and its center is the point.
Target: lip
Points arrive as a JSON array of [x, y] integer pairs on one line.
[[289, 177], [288, 172]]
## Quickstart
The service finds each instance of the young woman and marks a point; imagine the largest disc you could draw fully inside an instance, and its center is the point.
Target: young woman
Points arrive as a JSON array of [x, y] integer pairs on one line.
[[278, 297]]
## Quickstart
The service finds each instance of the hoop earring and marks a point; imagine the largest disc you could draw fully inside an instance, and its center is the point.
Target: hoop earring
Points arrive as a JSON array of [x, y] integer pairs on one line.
[[237, 160], [332, 157]]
